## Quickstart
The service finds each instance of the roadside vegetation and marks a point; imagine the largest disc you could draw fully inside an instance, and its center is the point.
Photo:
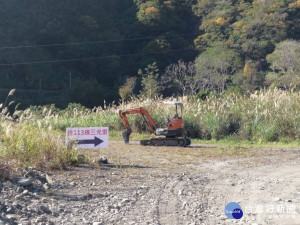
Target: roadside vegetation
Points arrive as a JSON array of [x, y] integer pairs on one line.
[[35, 136], [263, 116]]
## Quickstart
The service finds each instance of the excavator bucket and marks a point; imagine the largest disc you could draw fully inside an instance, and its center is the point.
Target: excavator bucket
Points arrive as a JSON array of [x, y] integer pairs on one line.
[[126, 135]]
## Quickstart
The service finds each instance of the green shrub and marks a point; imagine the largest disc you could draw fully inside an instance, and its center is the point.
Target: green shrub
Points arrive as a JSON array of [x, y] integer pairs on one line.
[[202, 94]]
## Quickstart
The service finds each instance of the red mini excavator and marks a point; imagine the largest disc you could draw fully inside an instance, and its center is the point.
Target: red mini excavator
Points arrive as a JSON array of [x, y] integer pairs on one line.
[[175, 134]]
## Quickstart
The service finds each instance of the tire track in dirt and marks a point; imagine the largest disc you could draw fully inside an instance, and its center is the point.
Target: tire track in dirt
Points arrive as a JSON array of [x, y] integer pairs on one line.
[[168, 202], [182, 200]]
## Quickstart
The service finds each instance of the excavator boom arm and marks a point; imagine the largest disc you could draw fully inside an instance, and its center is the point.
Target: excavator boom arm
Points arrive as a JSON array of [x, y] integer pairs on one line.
[[146, 116]]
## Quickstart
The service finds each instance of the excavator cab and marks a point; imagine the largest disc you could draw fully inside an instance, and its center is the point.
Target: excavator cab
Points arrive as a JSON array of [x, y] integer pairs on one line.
[[176, 115], [175, 126], [173, 132]]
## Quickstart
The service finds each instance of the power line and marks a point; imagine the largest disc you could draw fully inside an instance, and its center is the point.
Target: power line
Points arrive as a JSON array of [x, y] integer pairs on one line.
[[91, 42], [91, 58]]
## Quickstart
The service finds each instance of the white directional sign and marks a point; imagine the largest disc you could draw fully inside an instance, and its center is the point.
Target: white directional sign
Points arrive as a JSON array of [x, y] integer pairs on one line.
[[88, 137]]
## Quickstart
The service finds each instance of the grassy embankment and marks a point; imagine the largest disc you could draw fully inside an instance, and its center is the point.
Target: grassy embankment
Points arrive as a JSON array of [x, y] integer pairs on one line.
[[36, 136]]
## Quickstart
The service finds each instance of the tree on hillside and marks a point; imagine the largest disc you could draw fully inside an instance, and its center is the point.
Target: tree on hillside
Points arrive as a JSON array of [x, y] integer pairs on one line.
[[216, 25], [149, 12], [250, 78], [215, 67], [262, 25], [150, 83], [250, 27], [294, 15], [184, 76], [285, 64]]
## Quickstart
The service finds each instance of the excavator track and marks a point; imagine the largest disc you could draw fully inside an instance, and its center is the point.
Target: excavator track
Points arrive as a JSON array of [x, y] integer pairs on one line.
[[166, 142]]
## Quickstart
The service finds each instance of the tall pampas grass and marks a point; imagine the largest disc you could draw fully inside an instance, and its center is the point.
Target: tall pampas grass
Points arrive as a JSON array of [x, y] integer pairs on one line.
[[269, 115]]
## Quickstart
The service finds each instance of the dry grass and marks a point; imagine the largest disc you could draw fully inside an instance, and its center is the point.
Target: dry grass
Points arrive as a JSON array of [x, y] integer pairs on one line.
[[36, 137], [32, 146], [271, 115]]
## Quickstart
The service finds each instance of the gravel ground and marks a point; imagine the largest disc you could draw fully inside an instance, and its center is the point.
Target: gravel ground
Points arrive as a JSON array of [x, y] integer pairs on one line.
[[160, 185]]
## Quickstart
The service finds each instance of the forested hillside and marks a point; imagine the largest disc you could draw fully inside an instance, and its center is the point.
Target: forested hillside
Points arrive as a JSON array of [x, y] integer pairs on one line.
[[88, 51]]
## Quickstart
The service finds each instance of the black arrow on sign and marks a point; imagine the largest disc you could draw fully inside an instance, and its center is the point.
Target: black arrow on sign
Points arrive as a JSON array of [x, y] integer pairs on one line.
[[96, 141]]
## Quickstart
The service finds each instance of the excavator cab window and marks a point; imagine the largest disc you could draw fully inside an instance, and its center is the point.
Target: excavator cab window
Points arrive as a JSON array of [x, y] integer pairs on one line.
[[180, 116]]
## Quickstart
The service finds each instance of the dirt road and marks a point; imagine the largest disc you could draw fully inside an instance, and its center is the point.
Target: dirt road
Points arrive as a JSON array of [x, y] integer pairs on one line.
[[178, 186]]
